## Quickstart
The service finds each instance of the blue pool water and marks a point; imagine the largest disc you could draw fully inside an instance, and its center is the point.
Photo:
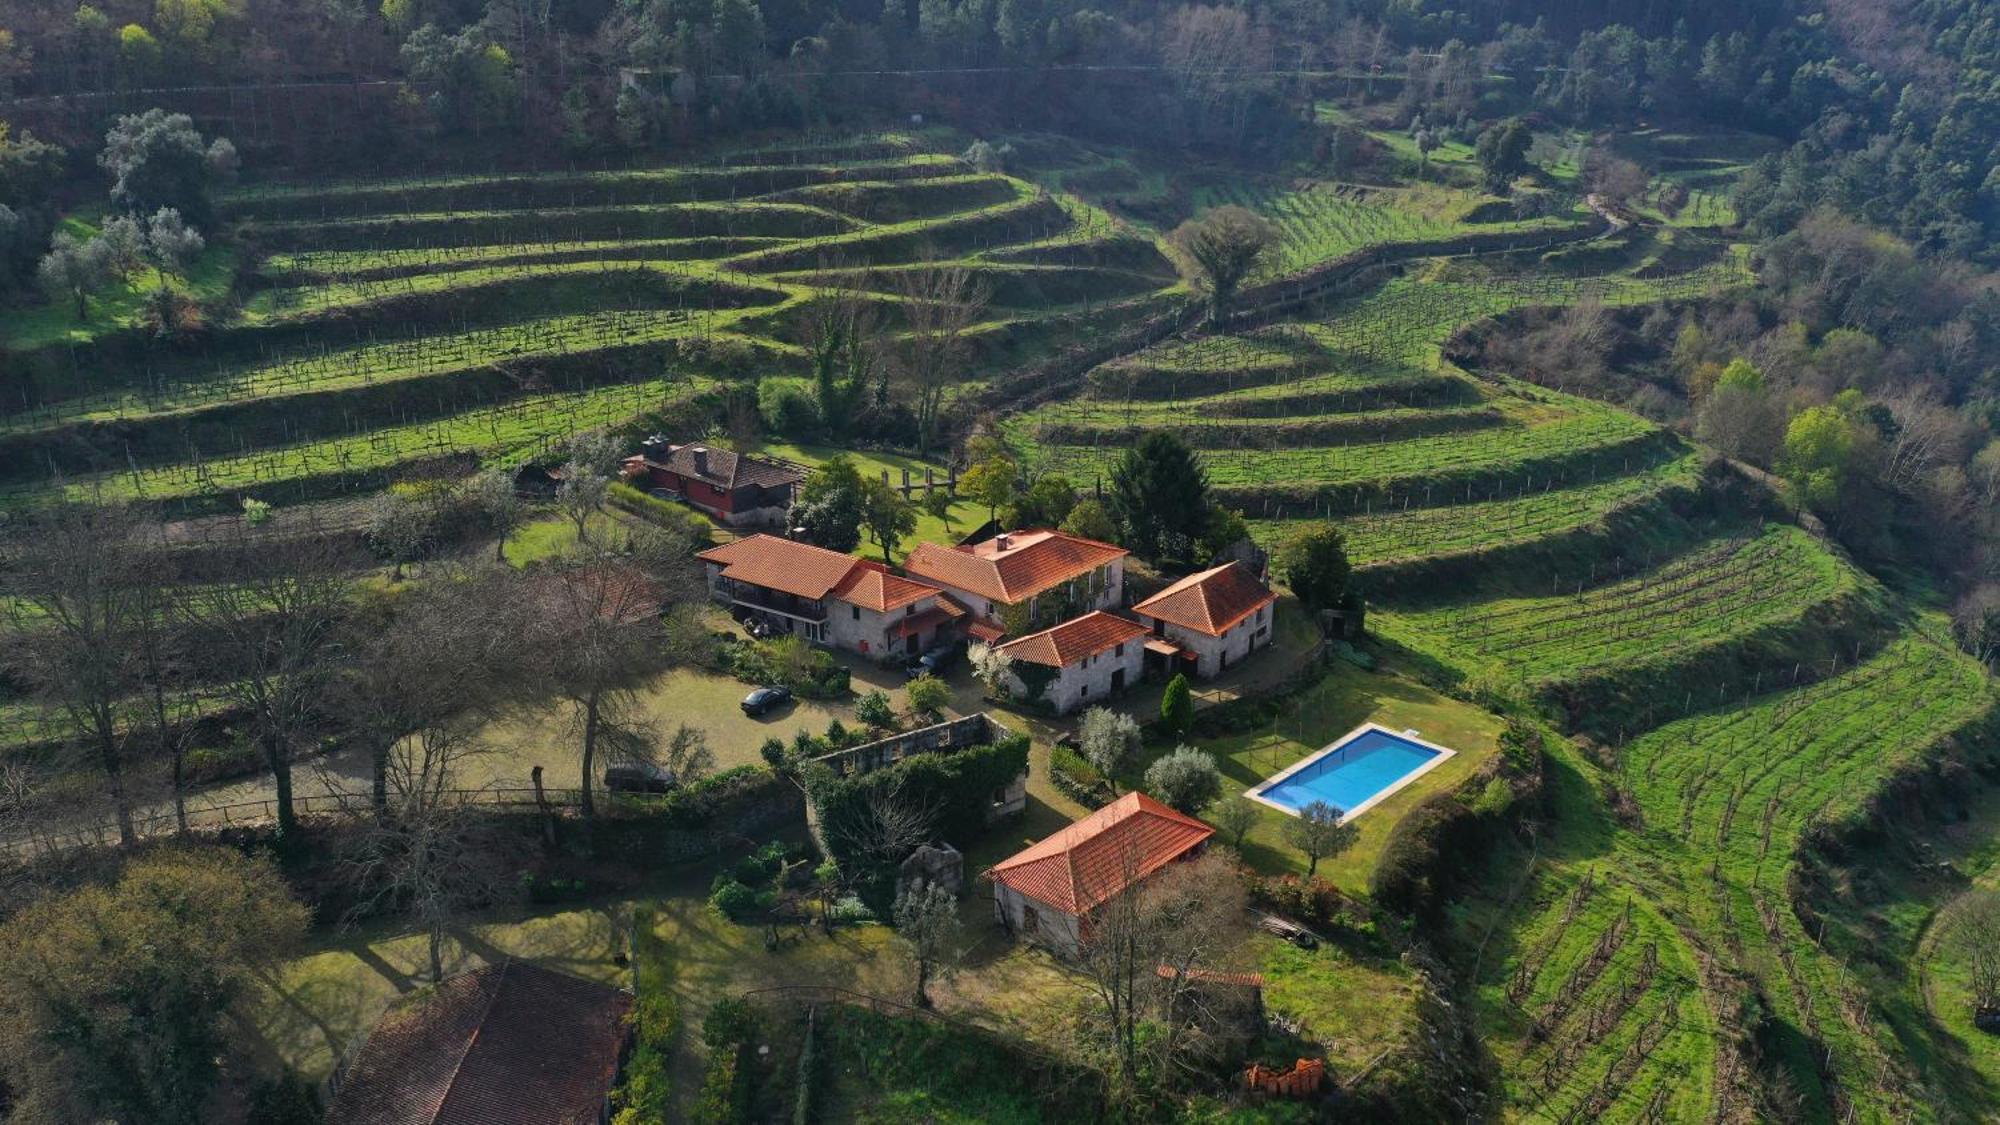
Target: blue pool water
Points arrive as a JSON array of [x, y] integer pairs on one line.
[[1348, 773]]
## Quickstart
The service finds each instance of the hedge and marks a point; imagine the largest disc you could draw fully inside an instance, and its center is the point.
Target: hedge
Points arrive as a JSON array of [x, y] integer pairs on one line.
[[958, 784], [652, 509]]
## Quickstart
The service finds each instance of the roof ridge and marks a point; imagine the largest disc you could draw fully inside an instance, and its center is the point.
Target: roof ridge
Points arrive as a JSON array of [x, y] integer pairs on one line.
[[472, 1040]]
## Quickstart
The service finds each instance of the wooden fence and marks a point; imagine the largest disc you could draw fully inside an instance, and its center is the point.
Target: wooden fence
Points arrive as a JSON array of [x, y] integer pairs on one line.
[[239, 814]]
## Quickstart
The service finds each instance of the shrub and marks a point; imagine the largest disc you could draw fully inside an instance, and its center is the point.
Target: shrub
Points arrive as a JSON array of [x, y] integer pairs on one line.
[[787, 408], [646, 1094], [1078, 779], [1186, 779], [928, 695], [875, 710], [217, 764], [809, 672], [737, 901]]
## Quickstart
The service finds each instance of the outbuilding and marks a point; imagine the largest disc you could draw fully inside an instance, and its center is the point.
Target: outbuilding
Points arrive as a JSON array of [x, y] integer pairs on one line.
[[1045, 894], [1216, 618]]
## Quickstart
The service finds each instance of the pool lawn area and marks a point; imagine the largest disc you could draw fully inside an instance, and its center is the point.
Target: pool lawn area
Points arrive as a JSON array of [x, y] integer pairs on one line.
[[1347, 698]]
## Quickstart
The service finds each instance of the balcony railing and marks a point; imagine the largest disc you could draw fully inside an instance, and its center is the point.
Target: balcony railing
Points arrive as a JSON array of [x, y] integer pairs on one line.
[[772, 601]]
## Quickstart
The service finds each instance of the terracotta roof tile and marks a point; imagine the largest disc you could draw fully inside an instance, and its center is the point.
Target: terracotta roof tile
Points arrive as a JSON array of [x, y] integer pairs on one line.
[[1032, 561], [800, 569], [870, 585], [1094, 860], [1074, 639], [1210, 602], [509, 1044]]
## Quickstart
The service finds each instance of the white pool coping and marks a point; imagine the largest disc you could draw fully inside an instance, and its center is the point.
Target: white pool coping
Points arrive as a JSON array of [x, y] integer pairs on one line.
[[1444, 753]]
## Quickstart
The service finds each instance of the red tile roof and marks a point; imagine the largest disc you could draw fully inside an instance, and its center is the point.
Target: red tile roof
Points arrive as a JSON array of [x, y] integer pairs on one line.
[[1074, 639], [800, 569], [1212, 976], [914, 625], [1092, 861], [1210, 602], [509, 1044], [1031, 562], [870, 585]]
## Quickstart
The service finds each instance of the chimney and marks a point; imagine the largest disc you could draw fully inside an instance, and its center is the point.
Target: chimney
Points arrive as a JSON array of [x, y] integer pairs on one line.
[[700, 460], [1002, 541]]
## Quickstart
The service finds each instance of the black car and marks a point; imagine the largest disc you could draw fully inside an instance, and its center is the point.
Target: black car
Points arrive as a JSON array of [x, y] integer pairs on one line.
[[638, 777], [765, 700], [938, 661]]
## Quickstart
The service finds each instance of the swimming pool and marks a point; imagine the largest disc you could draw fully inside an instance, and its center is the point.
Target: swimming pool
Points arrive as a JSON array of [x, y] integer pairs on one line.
[[1353, 774]]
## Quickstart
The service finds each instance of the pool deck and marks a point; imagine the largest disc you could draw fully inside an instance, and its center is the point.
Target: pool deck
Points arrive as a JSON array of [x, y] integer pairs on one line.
[[1443, 754]]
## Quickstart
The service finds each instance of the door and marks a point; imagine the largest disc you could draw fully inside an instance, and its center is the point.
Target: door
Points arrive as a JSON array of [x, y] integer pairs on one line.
[[910, 644], [1118, 679]]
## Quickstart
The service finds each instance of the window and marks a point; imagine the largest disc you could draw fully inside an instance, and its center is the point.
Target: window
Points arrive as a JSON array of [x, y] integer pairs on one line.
[[857, 612], [1085, 693], [910, 610], [1031, 922], [1119, 651]]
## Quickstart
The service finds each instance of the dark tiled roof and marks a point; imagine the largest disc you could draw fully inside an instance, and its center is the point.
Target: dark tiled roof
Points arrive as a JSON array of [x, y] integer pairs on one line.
[[509, 1044], [1210, 602], [726, 468], [1092, 861], [1071, 641], [1029, 563]]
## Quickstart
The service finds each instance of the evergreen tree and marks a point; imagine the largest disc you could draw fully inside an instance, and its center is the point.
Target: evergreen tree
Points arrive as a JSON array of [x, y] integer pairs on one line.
[[1159, 497]]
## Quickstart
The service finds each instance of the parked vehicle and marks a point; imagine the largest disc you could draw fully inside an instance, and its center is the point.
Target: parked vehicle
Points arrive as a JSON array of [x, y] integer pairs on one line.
[[938, 660], [765, 700], [638, 777]]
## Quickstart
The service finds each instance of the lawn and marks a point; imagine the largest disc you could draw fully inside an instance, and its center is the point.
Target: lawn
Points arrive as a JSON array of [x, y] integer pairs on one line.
[[1347, 698], [115, 306], [965, 515]]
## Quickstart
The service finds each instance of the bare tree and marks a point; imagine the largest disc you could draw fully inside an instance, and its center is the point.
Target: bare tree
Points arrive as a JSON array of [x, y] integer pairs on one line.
[[1974, 935], [1136, 951], [446, 651], [275, 627], [77, 578], [429, 856], [597, 629], [941, 304]]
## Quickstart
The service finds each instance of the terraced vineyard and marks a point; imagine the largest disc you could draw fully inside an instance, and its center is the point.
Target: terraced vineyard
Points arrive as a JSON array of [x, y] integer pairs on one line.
[[1318, 222], [1354, 412], [1747, 679], [1719, 591], [400, 325]]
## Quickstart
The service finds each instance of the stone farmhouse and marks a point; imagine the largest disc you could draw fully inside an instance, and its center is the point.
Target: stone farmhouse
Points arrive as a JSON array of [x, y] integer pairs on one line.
[[1020, 581], [1082, 661], [1045, 893], [1214, 619], [830, 598]]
